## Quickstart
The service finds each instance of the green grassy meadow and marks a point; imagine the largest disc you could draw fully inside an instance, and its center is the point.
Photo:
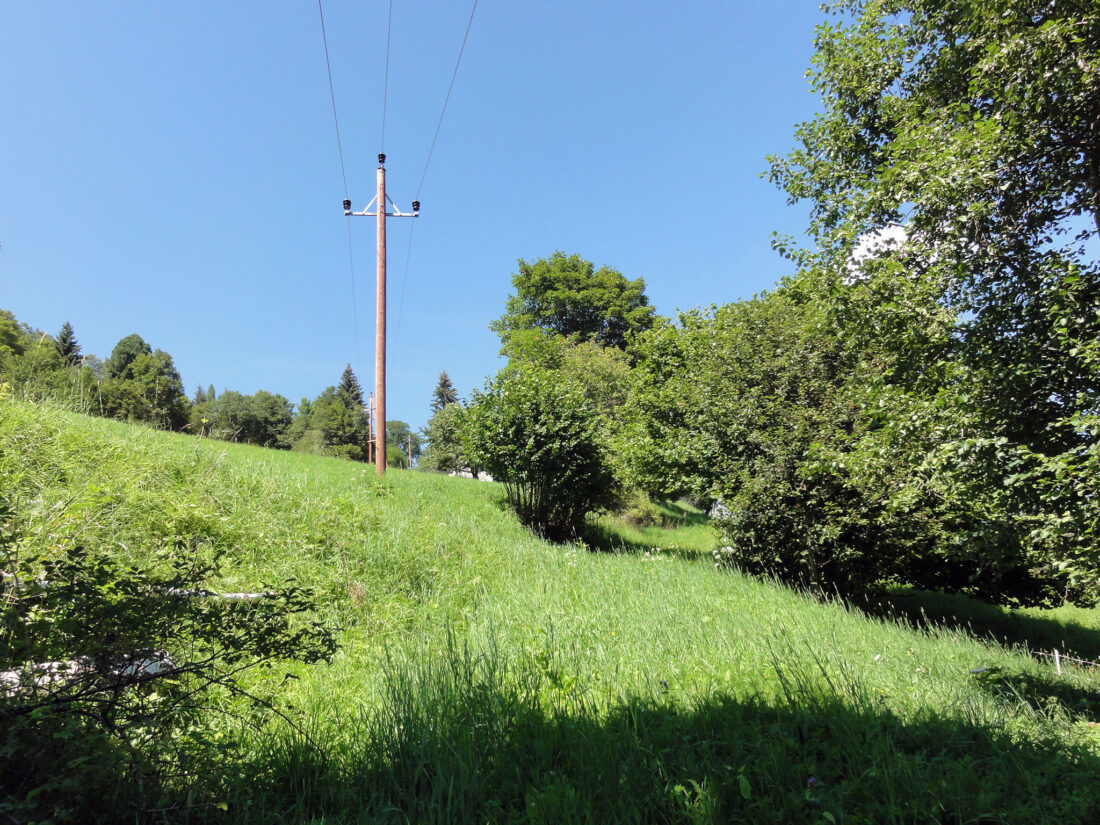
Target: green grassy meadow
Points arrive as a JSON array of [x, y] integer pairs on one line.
[[487, 676]]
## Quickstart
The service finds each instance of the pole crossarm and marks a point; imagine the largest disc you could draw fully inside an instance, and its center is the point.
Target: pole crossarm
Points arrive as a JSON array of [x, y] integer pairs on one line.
[[396, 213]]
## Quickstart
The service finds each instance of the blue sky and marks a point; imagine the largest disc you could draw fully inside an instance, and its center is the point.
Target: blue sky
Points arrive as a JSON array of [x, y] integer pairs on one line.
[[171, 169]]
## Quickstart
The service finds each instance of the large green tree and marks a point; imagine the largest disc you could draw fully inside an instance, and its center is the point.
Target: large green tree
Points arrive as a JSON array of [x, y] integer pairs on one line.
[[968, 133], [152, 392], [977, 126], [263, 418], [400, 435], [566, 295], [445, 452], [124, 354], [334, 423]]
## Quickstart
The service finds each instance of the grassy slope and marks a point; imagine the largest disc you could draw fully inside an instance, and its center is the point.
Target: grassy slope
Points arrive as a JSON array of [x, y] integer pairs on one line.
[[486, 675]]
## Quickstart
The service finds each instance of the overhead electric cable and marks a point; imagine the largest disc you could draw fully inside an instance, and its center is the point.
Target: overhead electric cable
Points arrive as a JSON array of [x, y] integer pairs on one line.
[[344, 176], [446, 100], [404, 281], [424, 174], [332, 96], [386, 82]]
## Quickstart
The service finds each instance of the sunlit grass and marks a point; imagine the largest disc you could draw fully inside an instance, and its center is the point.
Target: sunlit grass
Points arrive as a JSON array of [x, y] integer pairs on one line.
[[486, 675]]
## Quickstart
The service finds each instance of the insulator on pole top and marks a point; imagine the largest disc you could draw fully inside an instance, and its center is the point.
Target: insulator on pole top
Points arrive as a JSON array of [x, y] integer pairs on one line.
[[347, 204], [381, 159], [416, 206]]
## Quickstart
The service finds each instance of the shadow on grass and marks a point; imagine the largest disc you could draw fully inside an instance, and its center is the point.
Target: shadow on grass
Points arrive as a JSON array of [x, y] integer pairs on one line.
[[989, 622], [460, 740], [1042, 693], [607, 539]]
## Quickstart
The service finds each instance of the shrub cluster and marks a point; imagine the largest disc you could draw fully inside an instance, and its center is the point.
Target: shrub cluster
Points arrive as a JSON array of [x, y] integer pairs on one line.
[[541, 437]]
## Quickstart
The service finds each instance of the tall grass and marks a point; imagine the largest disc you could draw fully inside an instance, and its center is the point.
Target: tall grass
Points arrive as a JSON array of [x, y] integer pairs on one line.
[[488, 676]]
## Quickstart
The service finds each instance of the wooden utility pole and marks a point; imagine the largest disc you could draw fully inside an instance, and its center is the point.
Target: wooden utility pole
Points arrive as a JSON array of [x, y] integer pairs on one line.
[[370, 428], [379, 202], [410, 451]]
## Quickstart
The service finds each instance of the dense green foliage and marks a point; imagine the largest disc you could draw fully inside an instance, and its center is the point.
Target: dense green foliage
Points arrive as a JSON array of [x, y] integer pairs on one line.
[[445, 452], [537, 433], [148, 389], [262, 418], [124, 354], [972, 337], [401, 436], [568, 296], [67, 345]]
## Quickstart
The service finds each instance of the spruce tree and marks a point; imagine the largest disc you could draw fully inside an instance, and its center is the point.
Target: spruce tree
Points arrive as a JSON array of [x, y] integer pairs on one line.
[[200, 395], [349, 386], [67, 345], [210, 394], [445, 393]]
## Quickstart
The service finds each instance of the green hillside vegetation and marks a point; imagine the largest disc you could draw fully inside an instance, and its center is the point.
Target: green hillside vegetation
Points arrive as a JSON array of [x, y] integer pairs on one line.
[[485, 675]]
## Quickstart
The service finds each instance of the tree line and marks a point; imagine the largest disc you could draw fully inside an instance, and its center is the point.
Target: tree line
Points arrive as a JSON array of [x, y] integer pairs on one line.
[[139, 384]]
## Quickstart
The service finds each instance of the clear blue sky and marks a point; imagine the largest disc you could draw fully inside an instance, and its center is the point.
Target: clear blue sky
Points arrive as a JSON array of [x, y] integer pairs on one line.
[[171, 169]]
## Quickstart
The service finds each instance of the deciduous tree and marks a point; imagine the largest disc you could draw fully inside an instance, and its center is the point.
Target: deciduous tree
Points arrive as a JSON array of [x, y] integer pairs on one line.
[[568, 296]]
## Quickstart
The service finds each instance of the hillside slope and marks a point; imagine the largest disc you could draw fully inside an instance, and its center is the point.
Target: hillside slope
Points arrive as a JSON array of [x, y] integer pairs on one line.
[[488, 676]]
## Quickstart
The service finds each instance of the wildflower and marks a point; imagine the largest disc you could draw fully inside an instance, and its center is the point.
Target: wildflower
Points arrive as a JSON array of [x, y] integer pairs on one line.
[[811, 782]]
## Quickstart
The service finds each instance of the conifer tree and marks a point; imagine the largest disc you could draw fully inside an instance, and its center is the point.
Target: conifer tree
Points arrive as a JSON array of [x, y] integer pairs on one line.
[[210, 394], [67, 345], [200, 395], [349, 386], [444, 394]]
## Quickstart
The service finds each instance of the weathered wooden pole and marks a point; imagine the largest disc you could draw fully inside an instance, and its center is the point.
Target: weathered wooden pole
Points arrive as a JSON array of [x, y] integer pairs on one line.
[[378, 440], [380, 327]]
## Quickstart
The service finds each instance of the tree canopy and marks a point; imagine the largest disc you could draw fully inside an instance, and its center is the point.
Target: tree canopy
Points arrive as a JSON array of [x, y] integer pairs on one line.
[[566, 295], [123, 355], [966, 132]]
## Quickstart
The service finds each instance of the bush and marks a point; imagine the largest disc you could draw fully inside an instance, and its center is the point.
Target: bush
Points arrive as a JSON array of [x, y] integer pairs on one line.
[[536, 432], [639, 511]]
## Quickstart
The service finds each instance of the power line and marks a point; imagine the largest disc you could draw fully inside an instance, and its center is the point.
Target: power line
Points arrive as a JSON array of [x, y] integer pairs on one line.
[[344, 176], [332, 96], [424, 174], [404, 281], [386, 82], [446, 100]]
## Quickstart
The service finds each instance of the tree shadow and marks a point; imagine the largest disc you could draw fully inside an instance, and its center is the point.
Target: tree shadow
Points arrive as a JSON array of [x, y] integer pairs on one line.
[[1041, 692], [470, 747], [988, 622], [606, 538]]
